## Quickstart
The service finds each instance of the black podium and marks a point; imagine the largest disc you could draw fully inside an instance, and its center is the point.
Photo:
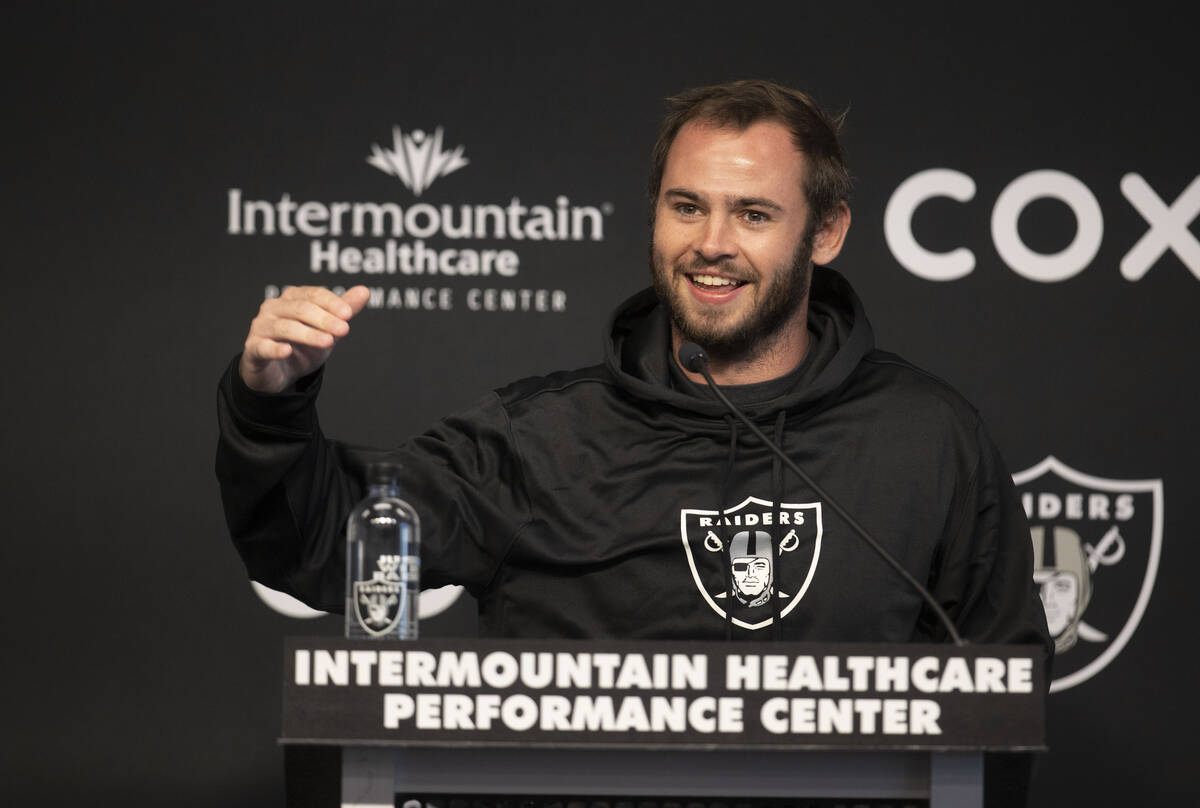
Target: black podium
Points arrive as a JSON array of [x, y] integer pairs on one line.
[[684, 720]]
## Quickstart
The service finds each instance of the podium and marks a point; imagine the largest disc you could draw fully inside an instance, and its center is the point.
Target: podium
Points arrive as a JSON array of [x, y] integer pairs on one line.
[[683, 721]]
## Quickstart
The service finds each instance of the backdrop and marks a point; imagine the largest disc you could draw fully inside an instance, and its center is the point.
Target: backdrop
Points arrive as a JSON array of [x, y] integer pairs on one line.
[[1024, 226]]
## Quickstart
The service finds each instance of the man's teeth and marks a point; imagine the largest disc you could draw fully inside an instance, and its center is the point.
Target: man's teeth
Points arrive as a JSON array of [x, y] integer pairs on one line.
[[713, 280]]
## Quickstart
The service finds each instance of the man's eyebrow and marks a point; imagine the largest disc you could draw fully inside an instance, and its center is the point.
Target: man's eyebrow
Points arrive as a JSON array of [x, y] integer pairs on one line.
[[734, 202], [756, 202]]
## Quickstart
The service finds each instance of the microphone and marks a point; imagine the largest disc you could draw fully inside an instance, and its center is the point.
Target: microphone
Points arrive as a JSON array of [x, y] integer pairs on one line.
[[692, 357]]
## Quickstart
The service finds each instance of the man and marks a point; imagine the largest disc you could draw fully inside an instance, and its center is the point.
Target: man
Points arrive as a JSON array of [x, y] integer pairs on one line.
[[603, 502]]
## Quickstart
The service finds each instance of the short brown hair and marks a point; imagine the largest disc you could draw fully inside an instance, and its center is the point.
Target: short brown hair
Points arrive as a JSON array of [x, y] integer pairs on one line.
[[741, 103]]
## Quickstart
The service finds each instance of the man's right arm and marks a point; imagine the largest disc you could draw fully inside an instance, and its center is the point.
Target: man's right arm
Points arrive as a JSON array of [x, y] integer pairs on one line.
[[287, 489], [274, 466]]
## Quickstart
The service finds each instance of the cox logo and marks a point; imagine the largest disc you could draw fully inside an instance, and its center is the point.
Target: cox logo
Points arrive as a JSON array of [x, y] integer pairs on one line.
[[1168, 226]]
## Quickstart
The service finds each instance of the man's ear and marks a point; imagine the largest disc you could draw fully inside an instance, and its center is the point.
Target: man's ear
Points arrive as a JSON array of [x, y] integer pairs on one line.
[[829, 239]]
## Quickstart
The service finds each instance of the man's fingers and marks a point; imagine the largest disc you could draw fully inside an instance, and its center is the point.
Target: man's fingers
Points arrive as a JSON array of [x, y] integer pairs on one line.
[[321, 319], [356, 298], [261, 351], [306, 312], [322, 297], [286, 329], [297, 298]]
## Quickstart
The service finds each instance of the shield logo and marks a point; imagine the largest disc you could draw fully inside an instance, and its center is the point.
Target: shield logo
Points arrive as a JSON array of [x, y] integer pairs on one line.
[[735, 566], [1096, 544], [377, 601]]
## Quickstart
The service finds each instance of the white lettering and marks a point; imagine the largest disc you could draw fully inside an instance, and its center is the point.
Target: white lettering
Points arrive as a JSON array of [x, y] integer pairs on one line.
[[1169, 227], [989, 675], [897, 224], [519, 712], [1020, 675], [924, 674], [923, 716], [303, 660], [391, 668], [331, 667], [456, 711], [956, 676], [537, 670], [741, 672], [1076, 256], [634, 674], [458, 670], [420, 666], [363, 662], [500, 670], [834, 681], [397, 707], [429, 711]]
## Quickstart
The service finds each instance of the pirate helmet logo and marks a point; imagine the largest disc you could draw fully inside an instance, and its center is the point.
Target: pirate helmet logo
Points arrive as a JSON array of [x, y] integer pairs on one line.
[[1065, 587], [751, 564]]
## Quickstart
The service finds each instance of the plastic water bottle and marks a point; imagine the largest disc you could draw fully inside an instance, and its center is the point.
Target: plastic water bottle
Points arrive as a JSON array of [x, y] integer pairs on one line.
[[383, 561]]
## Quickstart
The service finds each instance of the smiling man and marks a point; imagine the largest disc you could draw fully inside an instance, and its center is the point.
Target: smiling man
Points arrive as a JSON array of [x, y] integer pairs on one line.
[[604, 502]]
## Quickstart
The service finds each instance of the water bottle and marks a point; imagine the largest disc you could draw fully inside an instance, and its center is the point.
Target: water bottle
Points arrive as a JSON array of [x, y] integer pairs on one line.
[[383, 561]]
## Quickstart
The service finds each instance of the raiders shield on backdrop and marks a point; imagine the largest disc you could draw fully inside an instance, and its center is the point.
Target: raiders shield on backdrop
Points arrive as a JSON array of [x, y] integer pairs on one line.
[[1096, 545], [755, 554]]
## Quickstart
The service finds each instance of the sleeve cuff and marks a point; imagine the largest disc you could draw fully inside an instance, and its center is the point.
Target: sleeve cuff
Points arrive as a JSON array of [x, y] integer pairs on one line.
[[292, 410]]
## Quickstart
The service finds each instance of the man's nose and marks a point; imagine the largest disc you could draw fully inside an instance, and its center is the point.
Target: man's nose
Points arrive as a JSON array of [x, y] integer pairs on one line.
[[716, 241]]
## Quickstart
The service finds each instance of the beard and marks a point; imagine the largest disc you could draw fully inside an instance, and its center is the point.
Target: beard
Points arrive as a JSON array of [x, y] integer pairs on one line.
[[756, 332]]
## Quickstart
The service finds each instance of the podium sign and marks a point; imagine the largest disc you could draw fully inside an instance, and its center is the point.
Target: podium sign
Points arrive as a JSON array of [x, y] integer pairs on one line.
[[557, 693]]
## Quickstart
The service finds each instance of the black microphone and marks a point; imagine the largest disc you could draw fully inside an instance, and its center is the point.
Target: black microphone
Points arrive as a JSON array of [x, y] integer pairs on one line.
[[692, 357]]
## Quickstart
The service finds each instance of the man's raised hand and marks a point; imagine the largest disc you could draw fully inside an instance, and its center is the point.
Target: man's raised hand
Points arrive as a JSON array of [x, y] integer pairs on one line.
[[294, 334]]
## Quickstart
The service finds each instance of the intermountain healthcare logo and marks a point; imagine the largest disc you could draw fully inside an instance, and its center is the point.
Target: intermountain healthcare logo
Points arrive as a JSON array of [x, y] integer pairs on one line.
[[419, 255], [416, 159], [1096, 545], [757, 574]]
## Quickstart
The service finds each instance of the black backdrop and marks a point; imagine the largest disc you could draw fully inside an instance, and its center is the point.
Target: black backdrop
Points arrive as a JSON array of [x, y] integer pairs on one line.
[[139, 665]]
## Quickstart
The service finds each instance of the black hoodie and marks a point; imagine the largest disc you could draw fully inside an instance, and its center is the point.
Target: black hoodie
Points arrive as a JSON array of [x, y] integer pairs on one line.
[[620, 501]]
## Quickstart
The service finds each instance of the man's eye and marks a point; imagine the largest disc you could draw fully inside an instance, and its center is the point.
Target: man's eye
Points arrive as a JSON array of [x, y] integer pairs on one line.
[[687, 209], [756, 217]]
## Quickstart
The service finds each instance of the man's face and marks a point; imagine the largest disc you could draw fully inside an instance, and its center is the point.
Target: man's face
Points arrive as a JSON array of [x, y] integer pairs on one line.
[[751, 575], [730, 257], [1060, 597]]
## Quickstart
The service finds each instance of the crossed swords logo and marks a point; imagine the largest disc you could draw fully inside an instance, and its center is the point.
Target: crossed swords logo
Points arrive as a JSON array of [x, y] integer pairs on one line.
[[1109, 551], [712, 542]]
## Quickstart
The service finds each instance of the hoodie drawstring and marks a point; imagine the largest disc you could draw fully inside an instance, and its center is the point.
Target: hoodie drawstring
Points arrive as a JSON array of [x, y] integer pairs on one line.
[[727, 545], [777, 497], [724, 525]]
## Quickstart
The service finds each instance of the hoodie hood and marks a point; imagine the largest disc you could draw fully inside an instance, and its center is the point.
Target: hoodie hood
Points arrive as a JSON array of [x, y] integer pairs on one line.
[[638, 349]]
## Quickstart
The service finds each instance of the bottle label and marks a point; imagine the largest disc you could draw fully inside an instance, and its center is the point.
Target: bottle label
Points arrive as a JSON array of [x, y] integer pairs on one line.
[[378, 604]]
